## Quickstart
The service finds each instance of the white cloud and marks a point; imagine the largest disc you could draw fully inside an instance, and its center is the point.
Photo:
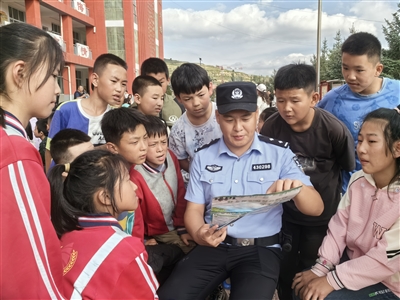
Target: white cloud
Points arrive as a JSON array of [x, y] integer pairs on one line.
[[257, 41]]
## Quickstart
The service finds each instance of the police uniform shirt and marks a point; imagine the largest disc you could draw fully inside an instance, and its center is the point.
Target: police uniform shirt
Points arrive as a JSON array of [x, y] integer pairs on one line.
[[216, 171]]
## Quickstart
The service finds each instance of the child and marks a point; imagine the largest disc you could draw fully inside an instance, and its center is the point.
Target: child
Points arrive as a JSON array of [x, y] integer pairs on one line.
[[364, 90], [366, 228], [68, 144], [324, 147], [262, 97], [109, 84], [158, 69], [148, 95], [125, 133], [164, 203], [197, 126], [41, 132], [100, 260], [264, 115], [31, 266]]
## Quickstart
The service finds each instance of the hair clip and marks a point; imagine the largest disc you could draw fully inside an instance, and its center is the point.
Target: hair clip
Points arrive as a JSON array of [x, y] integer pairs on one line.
[[397, 109], [66, 167]]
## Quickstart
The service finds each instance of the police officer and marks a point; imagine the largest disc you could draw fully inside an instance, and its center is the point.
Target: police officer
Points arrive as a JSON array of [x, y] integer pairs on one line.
[[241, 163]]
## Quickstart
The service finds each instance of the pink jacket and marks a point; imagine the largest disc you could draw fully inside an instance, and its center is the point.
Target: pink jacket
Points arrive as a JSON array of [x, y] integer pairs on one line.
[[367, 222]]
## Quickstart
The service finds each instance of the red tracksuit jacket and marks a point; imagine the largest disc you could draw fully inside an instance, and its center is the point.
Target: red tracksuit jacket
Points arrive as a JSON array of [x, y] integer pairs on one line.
[[30, 256], [103, 262]]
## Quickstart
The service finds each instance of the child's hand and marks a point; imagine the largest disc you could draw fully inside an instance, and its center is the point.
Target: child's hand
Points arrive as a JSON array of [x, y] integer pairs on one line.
[[301, 280], [317, 288], [186, 237], [283, 185], [151, 242]]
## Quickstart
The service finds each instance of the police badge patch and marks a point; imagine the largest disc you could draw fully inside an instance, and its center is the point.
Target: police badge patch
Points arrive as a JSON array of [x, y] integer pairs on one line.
[[297, 162], [213, 168]]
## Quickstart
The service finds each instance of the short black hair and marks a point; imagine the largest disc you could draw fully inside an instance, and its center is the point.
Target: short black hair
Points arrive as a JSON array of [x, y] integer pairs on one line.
[[362, 43], [156, 127], [266, 113], [108, 59], [63, 140], [296, 76], [154, 65], [41, 126], [120, 120], [142, 82], [189, 78]]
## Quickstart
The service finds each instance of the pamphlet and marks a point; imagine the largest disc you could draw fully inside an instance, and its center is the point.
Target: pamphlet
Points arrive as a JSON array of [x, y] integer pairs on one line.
[[226, 210]]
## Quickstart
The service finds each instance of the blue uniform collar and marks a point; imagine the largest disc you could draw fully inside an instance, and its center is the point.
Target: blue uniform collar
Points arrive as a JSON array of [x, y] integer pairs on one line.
[[255, 146], [95, 220]]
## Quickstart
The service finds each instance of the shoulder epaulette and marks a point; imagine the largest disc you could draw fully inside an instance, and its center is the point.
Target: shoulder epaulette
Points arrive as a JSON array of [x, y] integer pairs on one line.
[[272, 141], [206, 145]]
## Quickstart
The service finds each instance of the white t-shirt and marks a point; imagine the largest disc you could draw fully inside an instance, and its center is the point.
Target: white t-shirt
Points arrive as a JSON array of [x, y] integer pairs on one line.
[[185, 137]]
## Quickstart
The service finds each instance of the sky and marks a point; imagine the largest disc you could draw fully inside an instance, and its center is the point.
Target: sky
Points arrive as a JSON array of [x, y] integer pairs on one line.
[[257, 37]]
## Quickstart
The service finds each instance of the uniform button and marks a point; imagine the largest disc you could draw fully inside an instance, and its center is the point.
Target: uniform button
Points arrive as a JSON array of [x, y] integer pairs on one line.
[[261, 179], [210, 180], [231, 224], [236, 181]]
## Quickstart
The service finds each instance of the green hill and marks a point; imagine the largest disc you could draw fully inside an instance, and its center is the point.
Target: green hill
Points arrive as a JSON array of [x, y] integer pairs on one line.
[[219, 74]]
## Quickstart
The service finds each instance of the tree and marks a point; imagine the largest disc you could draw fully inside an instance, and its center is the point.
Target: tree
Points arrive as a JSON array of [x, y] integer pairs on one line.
[[334, 63], [323, 61], [391, 56]]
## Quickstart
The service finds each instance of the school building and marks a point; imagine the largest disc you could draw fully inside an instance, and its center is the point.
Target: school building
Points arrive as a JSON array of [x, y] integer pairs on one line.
[[131, 29]]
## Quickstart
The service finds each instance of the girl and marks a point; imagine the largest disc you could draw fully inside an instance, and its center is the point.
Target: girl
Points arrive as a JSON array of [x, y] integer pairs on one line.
[[366, 225], [100, 260], [30, 60]]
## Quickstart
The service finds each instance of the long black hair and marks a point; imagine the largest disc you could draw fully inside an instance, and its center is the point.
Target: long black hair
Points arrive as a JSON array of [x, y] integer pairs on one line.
[[391, 132], [21, 41], [72, 196]]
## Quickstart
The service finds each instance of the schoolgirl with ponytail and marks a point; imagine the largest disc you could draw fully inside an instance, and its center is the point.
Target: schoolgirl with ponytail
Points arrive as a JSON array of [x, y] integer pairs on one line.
[[100, 260]]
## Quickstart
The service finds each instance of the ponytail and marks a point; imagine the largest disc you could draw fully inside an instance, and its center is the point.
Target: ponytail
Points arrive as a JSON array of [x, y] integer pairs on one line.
[[72, 195], [2, 118], [63, 216]]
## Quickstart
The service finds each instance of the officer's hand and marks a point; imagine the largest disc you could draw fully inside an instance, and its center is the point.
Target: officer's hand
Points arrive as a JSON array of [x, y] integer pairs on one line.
[[283, 185], [210, 236]]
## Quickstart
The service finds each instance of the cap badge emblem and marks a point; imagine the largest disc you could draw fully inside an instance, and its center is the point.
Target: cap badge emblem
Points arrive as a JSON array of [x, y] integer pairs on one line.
[[237, 94]]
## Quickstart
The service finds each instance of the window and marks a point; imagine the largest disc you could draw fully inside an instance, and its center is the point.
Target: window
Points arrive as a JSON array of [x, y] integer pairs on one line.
[[16, 15], [135, 18], [78, 76], [116, 41], [76, 37], [55, 28], [45, 28], [113, 10]]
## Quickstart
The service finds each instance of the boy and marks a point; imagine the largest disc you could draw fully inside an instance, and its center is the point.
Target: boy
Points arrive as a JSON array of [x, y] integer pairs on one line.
[[197, 126], [163, 204], [240, 163], [125, 133], [41, 132], [158, 69], [148, 95], [364, 90], [324, 147], [68, 144], [109, 84]]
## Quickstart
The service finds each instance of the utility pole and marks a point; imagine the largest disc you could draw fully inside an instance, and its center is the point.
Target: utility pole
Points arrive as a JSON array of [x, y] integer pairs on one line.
[[318, 65], [200, 61]]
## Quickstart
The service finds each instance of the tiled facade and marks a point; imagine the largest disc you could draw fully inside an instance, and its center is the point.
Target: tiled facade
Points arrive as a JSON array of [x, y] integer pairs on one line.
[[131, 29]]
